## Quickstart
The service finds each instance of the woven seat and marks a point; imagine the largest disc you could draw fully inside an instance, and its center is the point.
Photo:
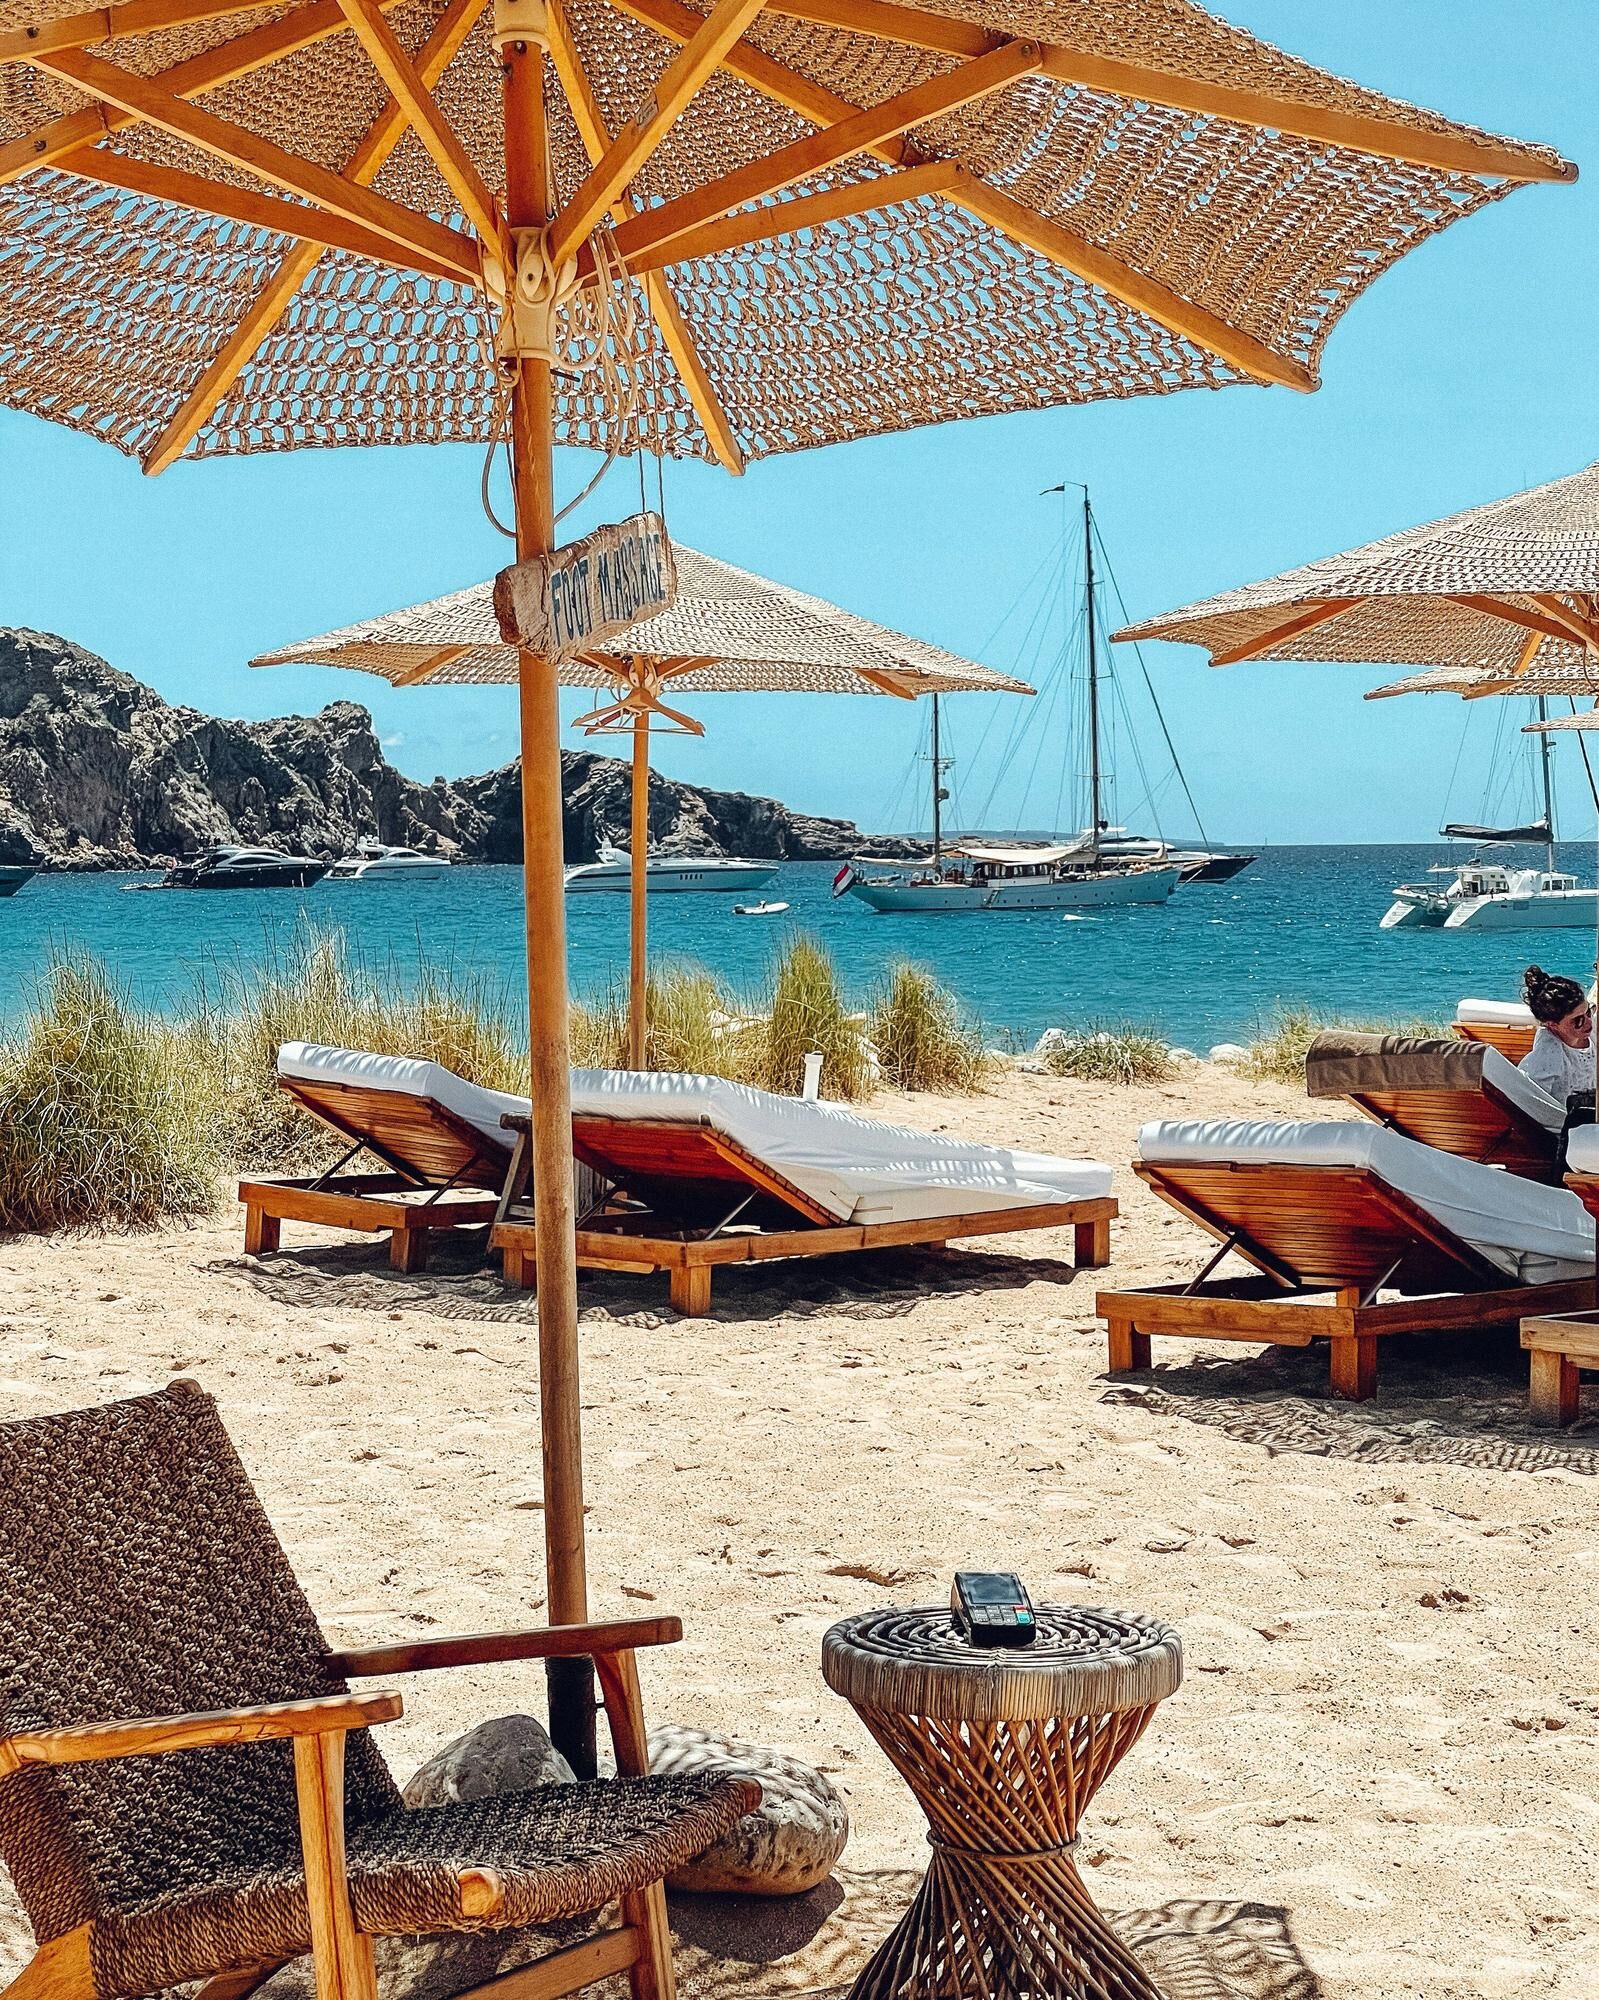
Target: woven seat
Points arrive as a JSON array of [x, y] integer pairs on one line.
[[144, 1580]]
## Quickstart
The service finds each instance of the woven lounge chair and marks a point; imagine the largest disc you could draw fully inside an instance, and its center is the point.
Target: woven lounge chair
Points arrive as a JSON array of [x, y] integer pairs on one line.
[[188, 1788], [1354, 1212], [1461, 1096], [692, 1171]]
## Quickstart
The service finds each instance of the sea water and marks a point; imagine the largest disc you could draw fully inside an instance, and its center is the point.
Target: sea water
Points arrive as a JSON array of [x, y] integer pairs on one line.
[[1299, 927]]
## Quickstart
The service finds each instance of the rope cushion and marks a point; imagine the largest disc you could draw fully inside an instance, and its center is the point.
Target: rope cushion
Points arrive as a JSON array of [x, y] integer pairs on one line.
[[560, 1851]]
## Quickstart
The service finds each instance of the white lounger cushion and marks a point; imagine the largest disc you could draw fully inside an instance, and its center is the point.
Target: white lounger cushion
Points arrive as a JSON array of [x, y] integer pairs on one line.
[[1526, 1095], [1582, 1149], [1494, 1014], [1535, 1234], [855, 1168], [858, 1170], [470, 1102]]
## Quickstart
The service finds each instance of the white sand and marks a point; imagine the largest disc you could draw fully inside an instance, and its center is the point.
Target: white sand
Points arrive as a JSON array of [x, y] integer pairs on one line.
[[1389, 1733]]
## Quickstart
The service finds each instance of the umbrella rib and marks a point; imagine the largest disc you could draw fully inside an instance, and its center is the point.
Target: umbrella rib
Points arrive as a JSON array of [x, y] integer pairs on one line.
[[411, 93], [1454, 151], [206, 71], [101, 24], [702, 51], [236, 146], [785, 218], [659, 226], [1566, 626], [372, 150], [1045, 238], [1306, 618], [668, 315], [1583, 629], [313, 226]]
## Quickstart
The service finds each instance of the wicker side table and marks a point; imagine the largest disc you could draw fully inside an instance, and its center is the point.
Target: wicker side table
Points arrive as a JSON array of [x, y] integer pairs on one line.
[[1003, 1751]]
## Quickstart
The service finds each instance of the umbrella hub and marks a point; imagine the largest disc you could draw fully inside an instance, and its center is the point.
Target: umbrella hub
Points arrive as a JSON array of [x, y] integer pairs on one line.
[[529, 302], [520, 21], [636, 693]]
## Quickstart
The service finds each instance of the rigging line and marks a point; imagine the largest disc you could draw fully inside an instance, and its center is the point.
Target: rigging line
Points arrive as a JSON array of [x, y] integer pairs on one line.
[[1582, 744], [1024, 715], [1160, 716], [992, 640], [1120, 699]]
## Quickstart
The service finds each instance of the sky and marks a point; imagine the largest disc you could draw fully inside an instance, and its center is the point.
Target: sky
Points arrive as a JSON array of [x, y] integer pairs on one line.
[[1465, 373]]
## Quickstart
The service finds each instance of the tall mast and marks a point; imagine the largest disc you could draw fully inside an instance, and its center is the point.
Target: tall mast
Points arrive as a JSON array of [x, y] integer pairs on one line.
[[1548, 789], [1094, 813], [938, 790]]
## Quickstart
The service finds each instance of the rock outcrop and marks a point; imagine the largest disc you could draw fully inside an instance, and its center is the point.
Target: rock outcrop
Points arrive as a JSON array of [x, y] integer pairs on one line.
[[97, 771]]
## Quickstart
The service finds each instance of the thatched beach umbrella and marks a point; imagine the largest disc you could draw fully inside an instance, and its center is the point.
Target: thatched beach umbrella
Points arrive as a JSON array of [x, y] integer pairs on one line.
[[1492, 592], [1578, 677], [720, 233], [726, 632]]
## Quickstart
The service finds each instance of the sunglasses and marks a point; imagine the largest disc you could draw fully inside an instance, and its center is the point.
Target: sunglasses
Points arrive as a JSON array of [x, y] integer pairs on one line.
[[1582, 1020]]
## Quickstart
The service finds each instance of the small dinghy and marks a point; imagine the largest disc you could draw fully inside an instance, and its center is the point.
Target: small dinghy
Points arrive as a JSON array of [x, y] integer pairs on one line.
[[759, 909]]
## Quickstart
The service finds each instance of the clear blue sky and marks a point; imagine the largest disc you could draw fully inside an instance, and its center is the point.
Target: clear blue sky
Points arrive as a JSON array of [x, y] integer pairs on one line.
[[1467, 372]]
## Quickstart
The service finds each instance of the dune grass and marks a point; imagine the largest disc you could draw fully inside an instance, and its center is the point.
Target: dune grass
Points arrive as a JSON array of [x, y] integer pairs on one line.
[[1114, 1053], [921, 1040], [1277, 1053], [808, 1012], [694, 1025], [108, 1115]]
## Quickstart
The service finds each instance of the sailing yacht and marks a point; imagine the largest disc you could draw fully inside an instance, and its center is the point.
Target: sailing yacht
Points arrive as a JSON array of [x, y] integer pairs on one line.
[[1085, 872], [1478, 895]]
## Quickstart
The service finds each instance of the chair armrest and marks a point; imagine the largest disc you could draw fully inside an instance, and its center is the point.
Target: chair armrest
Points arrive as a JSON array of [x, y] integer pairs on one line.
[[516, 1121], [481, 1649], [154, 1735]]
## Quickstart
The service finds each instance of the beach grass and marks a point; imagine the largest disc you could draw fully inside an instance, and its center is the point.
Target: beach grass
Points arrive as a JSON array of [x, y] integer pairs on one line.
[[108, 1114], [1114, 1053], [807, 1013], [922, 1041], [1277, 1053]]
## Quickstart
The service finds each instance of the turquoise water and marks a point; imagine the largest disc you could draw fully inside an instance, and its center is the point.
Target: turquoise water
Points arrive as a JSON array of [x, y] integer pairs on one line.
[[1301, 925]]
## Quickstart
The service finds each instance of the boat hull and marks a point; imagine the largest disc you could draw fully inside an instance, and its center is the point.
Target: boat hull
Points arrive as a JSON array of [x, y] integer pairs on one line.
[[15, 876], [658, 881], [390, 871], [300, 876], [1560, 910], [1082, 892]]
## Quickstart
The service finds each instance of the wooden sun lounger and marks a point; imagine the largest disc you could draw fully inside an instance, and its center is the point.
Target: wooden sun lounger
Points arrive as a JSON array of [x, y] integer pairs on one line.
[[1513, 1041], [1326, 1240], [1482, 1125], [443, 1173], [682, 1198]]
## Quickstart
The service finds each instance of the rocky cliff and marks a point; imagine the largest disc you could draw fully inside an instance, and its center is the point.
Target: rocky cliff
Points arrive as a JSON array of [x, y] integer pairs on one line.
[[98, 771]]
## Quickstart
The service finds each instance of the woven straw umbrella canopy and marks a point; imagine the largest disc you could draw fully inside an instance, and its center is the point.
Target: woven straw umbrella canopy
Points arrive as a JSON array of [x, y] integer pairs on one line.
[[727, 632], [1578, 676], [724, 229], [1492, 593]]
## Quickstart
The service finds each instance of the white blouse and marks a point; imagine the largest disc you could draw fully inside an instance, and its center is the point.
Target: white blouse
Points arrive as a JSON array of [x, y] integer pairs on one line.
[[1559, 1070]]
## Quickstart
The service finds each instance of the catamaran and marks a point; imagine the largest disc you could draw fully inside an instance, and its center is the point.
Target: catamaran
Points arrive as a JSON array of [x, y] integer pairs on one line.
[[697, 873], [1478, 895], [1087, 871]]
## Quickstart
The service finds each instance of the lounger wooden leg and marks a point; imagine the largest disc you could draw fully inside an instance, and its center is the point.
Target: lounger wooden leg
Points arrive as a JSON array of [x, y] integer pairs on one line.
[[520, 1267], [1093, 1245], [689, 1286], [1553, 1388], [340, 1954], [1129, 1349], [1354, 1367], [262, 1232], [408, 1249]]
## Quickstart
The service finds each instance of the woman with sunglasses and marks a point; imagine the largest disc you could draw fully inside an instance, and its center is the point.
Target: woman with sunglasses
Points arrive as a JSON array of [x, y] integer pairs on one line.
[[1561, 1059]]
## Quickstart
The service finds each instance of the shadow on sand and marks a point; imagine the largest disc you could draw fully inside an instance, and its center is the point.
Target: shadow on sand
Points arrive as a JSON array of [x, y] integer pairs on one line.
[[1442, 1399]]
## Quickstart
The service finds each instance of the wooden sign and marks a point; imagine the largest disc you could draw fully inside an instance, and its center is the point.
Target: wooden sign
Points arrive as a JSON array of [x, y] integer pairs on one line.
[[590, 591]]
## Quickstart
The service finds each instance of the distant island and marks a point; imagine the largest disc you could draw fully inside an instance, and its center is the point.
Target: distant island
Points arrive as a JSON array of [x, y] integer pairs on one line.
[[97, 771]]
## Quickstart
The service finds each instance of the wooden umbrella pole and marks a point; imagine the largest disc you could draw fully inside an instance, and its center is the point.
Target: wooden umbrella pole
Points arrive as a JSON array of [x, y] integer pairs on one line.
[[638, 950], [571, 1682]]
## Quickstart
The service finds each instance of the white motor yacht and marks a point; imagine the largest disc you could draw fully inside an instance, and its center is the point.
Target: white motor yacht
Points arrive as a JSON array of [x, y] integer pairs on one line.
[[703, 874], [372, 861]]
